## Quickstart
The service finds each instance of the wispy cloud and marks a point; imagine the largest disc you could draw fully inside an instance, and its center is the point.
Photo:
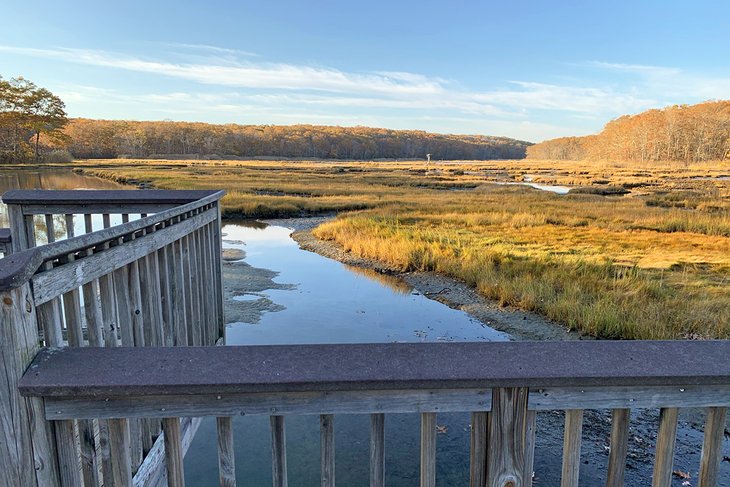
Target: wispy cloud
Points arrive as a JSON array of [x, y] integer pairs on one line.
[[241, 83]]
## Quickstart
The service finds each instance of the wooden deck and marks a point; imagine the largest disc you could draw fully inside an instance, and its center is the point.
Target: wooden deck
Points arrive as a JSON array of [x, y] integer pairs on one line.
[[144, 299]]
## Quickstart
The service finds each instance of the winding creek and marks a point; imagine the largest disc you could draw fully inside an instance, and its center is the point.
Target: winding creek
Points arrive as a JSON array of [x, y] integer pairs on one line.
[[277, 293]]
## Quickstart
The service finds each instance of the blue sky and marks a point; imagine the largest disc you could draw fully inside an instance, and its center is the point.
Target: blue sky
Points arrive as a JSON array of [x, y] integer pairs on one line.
[[525, 69]]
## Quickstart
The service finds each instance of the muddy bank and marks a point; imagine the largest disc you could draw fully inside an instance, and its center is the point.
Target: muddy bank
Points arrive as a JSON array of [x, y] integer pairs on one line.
[[455, 294]]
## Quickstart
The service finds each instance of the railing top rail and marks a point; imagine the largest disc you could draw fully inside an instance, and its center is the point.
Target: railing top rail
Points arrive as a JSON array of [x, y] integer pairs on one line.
[[114, 196], [151, 371], [19, 267]]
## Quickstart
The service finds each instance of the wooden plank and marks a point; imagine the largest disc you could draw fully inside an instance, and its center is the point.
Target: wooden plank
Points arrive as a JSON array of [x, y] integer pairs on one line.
[[478, 450], [626, 397], [45, 453], [61, 279], [119, 445], [530, 438], [88, 199], [250, 404], [664, 456], [72, 313], [152, 472], [712, 447], [226, 457], [18, 344], [218, 263], [68, 458], [571, 447], [87, 444], [178, 295], [173, 452], [163, 266], [124, 305], [377, 450], [50, 228], [327, 449], [49, 319], [619, 447], [191, 320], [195, 291], [334, 367], [506, 458], [278, 452], [428, 449], [108, 310], [16, 220], [104, 453]]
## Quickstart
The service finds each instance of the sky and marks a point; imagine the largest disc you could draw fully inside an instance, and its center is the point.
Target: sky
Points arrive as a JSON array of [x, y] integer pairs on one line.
[[530, 70]]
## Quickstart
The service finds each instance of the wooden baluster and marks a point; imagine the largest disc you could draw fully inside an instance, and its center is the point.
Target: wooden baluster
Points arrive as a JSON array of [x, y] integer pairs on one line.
[[178, 295], [664, 457], [190, 314], [530, 435], [108, 305], [226, 457], [377, 450], [68, 459], [72, 301], [506, 458], [211, 323], [119, 445], [278, 452], [712, 447], [218, 271], [619, 447], [327, 449], [173, 452], [195, 290], [478, 451], [428, 449], [571, 447], [163, 266]]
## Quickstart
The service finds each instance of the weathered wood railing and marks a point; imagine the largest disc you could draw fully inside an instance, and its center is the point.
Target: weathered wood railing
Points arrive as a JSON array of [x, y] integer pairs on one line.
[[148, 281], [6, 246], [503, 385]]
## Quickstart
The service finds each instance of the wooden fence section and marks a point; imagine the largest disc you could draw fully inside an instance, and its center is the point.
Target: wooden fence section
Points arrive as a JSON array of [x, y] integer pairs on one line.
[[503, 385], [151, 280]]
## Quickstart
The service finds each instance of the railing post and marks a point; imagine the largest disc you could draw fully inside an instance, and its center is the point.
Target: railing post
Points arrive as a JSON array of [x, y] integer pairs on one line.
[[18, 228], [27, 444], [507, 427]]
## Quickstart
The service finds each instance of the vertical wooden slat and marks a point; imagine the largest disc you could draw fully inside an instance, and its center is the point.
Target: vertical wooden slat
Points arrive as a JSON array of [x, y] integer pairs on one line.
[[478, 451], [72, 301], [30, 230], [530, 435], [178, 295], [194, 290], [428, 449], [571, 447], [218, 262], [278, 452], [188, 281], [163, 266], [211, 323], [377, 450], [49, 318], [619, 447], [506, 459], [173, 452], [712, 447], [50, 229], [664, 457], [68, 459], [119, 445], [226, 457], [327, 449]]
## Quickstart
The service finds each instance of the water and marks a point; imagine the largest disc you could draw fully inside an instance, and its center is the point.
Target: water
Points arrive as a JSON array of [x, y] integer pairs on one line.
[[54, 179], [329, 302], [542, 187]]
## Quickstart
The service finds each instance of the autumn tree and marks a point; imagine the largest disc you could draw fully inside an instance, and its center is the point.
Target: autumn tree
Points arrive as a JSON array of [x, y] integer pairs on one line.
[[28, 114]]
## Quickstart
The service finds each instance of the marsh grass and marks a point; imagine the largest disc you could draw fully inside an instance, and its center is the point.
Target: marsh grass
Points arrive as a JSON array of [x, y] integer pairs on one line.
[[653, 264]]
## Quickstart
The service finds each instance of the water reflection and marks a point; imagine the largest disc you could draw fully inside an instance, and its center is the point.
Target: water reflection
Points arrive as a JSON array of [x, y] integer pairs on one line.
[[393, 283]]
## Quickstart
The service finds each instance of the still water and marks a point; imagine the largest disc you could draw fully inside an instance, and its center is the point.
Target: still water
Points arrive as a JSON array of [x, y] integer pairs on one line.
[[325, 301]]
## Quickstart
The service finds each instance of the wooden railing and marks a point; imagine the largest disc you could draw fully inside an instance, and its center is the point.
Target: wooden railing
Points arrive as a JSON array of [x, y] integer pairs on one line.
[[150, 280], [503, 385]]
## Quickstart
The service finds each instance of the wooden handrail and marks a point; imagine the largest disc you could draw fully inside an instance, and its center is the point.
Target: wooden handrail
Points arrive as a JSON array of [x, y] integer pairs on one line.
[[21, 266], [292, 368]]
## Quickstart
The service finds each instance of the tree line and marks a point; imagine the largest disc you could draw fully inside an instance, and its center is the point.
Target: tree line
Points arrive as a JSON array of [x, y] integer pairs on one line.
[[31, 119], [677, 133], [117, 138]]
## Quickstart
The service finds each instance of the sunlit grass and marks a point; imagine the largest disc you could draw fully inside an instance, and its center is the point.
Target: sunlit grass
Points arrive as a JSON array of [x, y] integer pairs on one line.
[[653, 264]]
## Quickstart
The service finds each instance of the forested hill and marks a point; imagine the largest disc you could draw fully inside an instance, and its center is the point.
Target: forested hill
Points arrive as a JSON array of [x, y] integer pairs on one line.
[[678, 133], [110, 138]]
